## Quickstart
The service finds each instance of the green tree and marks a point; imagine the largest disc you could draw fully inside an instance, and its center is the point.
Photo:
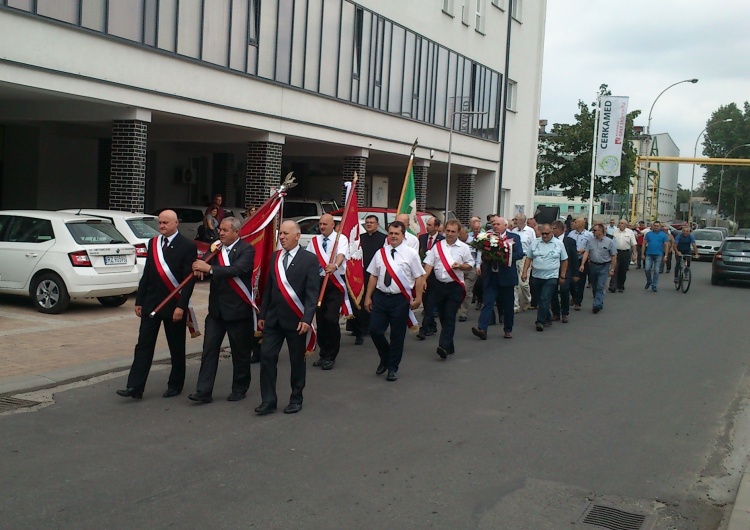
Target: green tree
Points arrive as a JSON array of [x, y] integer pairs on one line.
[[720, 139], [565, 156]]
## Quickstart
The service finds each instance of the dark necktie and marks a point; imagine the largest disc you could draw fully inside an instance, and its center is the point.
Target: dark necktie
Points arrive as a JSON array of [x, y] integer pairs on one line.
[[164, 243], [286, 260], [387, 280], [325, 249], [431, 242]]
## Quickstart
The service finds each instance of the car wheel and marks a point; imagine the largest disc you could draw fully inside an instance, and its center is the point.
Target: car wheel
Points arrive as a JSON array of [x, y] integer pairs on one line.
[[113, 301], [49, 294]]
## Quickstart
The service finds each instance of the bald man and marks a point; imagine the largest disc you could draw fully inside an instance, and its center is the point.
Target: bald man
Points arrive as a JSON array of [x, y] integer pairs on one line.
[[410, 240], [170, 257], [327, 315]]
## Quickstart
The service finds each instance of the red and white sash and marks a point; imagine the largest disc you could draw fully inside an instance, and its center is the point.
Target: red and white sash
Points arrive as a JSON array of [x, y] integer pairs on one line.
[[337, 277], [294, 302], [169, 279], [398, 277], [238, 285], [448, 268]]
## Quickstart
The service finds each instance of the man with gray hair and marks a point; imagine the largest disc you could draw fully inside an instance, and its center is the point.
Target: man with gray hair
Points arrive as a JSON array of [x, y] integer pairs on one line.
[[522, 293]]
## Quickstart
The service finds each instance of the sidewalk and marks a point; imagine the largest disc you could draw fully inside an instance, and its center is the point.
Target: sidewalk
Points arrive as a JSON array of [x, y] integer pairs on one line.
[[89, 339]]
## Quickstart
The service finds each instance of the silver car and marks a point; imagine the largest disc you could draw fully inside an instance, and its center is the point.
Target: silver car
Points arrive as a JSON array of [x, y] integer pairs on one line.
[[708, 242]]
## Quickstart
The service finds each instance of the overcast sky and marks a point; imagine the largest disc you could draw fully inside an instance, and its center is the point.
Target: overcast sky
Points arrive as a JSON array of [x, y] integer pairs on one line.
[[640, 47]]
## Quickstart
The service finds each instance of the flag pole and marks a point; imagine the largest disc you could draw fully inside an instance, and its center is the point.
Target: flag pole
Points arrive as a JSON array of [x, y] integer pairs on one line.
[[288, 183], [406, 176], [347, 206]]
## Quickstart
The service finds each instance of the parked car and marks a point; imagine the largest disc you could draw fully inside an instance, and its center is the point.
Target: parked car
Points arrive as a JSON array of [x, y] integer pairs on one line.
[[732, 261], [138, 228], [298, 208], [190, 218], [723, 229], [54, 257], [388, 215], [708, 242], [743, 232]]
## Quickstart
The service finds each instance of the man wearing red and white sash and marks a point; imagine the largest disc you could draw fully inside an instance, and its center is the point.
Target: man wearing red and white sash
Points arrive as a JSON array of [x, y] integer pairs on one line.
[[394, 289], [335, 299], [287, 313], [230, 312], [449, 259], [170, 259]]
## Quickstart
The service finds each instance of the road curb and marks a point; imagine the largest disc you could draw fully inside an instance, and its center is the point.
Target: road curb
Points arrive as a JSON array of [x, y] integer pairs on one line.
[[740, 517]]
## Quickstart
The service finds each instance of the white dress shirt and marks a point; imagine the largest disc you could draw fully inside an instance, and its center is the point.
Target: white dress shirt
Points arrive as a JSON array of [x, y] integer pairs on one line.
[[342, 248], [407, 262], [459, 253], [527, 235], [625, 239]]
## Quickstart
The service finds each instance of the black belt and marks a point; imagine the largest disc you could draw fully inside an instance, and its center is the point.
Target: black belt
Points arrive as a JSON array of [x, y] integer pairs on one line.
[[602, 263], [390, 294]]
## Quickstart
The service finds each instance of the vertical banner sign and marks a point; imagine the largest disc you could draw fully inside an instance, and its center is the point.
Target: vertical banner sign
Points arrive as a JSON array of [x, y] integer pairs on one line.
[[612, 116]]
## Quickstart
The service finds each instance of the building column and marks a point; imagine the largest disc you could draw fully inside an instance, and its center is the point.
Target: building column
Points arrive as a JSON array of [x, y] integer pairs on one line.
[[263, 171], [465, 196], [356, 164], [421, 169], [128, 167]]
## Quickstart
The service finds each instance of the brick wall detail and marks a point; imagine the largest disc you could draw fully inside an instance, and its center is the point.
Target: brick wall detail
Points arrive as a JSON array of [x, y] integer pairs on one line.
[[128, 165], [263, 171], [420, 186], [352, 164], [465, 198]]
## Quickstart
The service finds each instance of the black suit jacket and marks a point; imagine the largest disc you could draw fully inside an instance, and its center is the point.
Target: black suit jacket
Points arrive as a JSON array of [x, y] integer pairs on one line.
[[573, 259], [423, 242], [370, 244], [223, 300], [302, 274], [180, 255]]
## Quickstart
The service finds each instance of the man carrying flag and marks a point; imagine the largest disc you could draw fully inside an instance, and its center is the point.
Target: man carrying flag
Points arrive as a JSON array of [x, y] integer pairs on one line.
[[335, 299], [170, 260], [287, 313], [230, 312], [394, 290]]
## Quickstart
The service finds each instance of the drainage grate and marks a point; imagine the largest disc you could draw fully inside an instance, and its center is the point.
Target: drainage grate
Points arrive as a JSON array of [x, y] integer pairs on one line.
[[10, 403], [609, 518]]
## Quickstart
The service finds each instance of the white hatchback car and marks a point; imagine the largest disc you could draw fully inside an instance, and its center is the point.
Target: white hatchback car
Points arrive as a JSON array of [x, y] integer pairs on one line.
[[138, 229], [54, 256]]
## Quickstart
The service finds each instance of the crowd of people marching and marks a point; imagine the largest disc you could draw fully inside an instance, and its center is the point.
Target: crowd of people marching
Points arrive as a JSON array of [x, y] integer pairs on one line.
[[501, 267]]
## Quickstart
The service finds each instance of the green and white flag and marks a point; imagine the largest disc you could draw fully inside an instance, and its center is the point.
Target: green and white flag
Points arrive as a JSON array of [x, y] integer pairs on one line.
[[408, 202]]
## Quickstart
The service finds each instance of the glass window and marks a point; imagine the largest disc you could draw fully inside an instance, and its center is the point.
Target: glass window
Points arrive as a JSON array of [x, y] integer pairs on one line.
[[145, 227], [448, 7], [92, 14], [28, 230], [515, 9], [299, 209], [253, 30], [357, 61], [94, 233], [512, 88], [310, 226], [284, 41], [188, 28], [480, 16], [64, 10], [466, 11], [216, 31], [24, 5], [499, 3], [125, 19]]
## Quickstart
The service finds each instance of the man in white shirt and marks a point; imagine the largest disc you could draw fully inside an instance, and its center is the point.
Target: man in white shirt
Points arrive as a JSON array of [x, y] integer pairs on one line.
[[611, 228], [626, 243], [410, 239], [523, 292], [327, 315], [450, 260], [583, 239], [394, 272]]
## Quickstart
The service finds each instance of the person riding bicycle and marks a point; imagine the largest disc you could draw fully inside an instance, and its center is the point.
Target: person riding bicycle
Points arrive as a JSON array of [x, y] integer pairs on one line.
[[683, 243]]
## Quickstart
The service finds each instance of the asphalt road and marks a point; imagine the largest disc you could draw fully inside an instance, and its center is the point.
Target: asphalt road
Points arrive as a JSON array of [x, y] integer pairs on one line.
[[641, 407]]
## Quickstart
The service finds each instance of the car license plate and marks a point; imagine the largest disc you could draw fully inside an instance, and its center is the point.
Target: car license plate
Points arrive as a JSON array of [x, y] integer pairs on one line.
[[741, 260], [115, 260]]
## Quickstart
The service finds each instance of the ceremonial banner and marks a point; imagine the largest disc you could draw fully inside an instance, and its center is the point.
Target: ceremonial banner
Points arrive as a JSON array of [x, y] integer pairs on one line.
[[408, 202], [355, 274], [612, 116]]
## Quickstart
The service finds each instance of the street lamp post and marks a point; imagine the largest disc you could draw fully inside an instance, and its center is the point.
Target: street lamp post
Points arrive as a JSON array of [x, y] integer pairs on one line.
[[648, 137], [454, 112], [721, 181], [692, 176]]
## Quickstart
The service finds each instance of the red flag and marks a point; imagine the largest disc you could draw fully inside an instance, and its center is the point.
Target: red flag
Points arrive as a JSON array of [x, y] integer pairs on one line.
[[355, 276]]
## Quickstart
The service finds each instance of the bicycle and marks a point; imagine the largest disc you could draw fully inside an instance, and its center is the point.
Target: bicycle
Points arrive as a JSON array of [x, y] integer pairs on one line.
[[683, 274]]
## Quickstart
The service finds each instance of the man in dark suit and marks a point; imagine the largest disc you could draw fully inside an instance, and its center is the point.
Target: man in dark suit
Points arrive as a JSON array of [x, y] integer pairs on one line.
[[281, 318], [370, 242], [426, 242], [561, 302], [170, 259], [229, 312], [498, 282]]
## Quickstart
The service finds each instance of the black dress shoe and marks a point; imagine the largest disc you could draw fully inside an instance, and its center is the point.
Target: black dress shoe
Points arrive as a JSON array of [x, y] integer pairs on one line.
[[131, 393], [265, 408], [171, 392], [380, 370], [255, 359], [462, 319], [327, 365], [479, 333], [359, 341], [236, 396], [391, 376], [442, 352], [318, 363], [202, 397], [421, 336], [613, 290], [293, 408]]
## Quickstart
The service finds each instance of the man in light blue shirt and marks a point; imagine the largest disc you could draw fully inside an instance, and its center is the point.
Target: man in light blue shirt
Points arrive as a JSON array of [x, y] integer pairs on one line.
[[548, 260], [655, 250], [600, 256]]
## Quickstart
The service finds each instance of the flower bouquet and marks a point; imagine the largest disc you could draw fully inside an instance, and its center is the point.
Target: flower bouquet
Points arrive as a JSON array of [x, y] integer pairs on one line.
[[493, 248]]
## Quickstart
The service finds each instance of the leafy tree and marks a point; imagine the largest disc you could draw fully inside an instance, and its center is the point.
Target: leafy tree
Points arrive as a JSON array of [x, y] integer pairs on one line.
[[565, 156], [683, 197], [722, 139]]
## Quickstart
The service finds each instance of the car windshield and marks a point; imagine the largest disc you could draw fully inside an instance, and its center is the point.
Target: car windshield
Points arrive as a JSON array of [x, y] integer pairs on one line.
[[299, 209], [738, 246], [144, 227], [95, 232], [707, 235], [309, 226]]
